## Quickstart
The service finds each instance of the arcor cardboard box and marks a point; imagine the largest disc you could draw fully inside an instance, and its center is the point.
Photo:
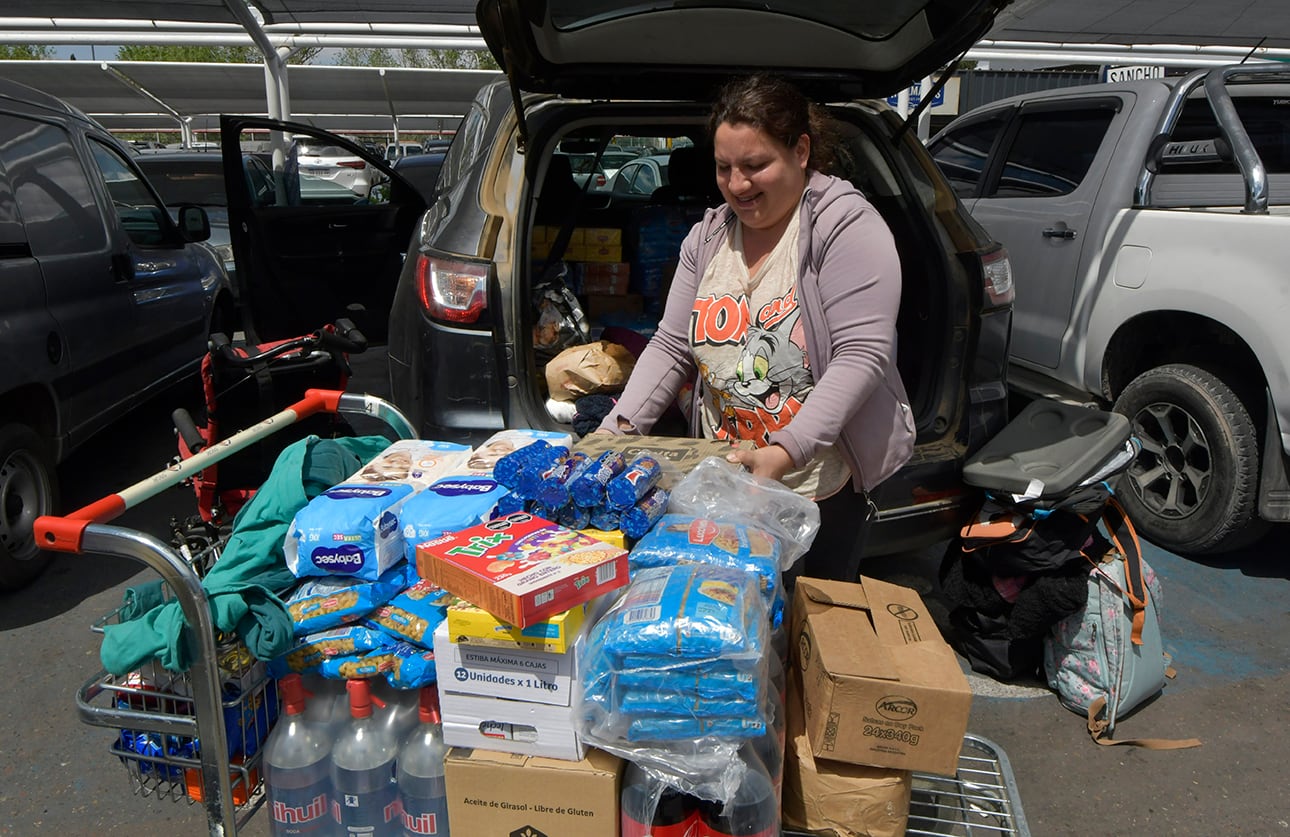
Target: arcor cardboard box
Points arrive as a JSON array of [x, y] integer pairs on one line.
[[879, 684], [493, 794]]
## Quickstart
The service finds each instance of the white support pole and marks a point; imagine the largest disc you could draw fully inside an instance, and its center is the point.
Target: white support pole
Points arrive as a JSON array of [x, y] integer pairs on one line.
[[925, 118]]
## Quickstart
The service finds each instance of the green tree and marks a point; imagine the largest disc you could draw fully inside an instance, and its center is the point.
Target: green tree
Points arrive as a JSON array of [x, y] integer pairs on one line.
[[207, 54], [444, 59], [23, 52]]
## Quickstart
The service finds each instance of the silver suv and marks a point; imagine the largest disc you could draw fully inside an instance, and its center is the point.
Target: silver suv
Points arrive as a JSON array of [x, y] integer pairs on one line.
[[106, 300]]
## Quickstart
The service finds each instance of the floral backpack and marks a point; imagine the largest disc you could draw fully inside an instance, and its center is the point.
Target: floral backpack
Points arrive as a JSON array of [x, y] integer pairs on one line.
[[1108, 659]]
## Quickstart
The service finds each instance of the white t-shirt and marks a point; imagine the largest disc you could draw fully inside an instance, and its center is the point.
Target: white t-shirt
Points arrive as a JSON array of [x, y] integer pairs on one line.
[[746, 336]]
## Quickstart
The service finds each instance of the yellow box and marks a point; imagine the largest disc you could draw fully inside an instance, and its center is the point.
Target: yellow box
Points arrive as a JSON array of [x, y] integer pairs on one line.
[[601, 253], [602, 236], [576, 237], [613, 536], [475, 626]]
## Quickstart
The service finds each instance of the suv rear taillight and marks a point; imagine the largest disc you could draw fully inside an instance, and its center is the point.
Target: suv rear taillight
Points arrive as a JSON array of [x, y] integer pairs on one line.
[[996, 270], [450, 290], [352, 164], [600, 180]]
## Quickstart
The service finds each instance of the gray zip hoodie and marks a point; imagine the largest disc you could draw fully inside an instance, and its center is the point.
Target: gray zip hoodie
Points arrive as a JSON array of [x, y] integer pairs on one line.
[[849, 292]]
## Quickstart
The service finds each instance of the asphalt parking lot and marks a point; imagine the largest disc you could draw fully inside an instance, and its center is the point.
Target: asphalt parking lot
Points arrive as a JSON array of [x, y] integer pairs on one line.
[[1225, 620]]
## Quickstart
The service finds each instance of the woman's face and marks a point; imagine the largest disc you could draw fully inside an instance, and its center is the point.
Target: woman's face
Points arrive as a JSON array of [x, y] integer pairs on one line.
[[760, 178]]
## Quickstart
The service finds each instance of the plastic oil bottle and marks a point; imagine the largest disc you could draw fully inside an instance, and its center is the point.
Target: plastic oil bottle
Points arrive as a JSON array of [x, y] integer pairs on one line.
[[296, 774], [420, 772], [362, 771]]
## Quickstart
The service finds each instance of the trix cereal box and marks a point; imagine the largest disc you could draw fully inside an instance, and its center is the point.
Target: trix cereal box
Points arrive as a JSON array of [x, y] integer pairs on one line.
[[521, 568]]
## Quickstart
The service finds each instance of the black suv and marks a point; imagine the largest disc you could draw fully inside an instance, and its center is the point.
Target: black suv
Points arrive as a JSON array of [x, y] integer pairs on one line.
[[106, 300], [468, 335]]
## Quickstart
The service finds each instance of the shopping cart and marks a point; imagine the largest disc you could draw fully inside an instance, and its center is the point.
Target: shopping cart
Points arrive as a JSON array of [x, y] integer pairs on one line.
[[225, 702]]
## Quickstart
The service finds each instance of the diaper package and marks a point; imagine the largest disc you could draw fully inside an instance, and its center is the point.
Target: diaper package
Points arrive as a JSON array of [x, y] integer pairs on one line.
[[449, 505], [353, 528], [481, 460]]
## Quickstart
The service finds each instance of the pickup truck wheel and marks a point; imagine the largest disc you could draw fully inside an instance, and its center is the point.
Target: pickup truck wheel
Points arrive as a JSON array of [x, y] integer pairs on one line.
[[28, 489], [1194, 487]]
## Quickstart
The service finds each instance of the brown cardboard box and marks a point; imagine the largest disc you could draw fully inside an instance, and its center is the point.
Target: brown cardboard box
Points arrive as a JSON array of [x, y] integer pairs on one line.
[[494, 794], [834, 798], [597, 305], [677, 454], [879, 684]]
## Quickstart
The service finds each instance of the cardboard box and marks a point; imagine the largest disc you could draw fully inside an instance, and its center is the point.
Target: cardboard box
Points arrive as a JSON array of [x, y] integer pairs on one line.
[[678, 455], [500, 795], [597, 305], [521, 568], [879, 684], [537, 676], [511, 726], [834, 798], [473, 625]]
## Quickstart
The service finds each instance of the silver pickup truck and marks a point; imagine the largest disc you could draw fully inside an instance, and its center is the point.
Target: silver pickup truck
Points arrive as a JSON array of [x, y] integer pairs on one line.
[[1148, 224]]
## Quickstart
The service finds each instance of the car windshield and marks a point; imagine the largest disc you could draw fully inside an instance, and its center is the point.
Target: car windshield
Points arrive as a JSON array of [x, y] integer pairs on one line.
[[181, 182], [874, 21]]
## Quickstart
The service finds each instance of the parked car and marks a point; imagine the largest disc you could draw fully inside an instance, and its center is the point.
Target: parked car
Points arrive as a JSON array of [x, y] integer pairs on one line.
[[640, 177], [107, 300], [466, 350], [196, 178], [308, 251], [395, 152], [341, 164], [422, 171], [1147, 223]]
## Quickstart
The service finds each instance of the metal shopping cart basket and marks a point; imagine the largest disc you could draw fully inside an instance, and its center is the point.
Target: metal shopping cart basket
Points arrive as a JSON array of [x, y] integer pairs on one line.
[[194, 736]]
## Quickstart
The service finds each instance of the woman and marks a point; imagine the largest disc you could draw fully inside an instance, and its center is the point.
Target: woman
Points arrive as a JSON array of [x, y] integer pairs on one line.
[[784, 304]]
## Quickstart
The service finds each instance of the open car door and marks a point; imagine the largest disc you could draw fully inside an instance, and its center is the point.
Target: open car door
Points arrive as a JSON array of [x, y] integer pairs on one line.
[[319, 227]]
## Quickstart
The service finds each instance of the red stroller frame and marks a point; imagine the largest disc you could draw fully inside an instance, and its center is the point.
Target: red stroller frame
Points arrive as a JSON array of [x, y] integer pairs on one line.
[[243, 381]]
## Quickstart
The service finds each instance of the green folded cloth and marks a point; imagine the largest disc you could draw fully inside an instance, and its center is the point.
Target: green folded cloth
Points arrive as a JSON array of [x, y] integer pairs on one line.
[[243, 587], [140, 599]]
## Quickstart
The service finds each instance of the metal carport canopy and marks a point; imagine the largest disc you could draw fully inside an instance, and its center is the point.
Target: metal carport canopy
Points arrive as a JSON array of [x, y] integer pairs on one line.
[[1143, 22], [331, 97]]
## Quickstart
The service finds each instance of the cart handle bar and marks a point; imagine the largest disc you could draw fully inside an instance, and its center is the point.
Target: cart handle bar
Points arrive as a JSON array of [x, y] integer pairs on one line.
[[65, 534]]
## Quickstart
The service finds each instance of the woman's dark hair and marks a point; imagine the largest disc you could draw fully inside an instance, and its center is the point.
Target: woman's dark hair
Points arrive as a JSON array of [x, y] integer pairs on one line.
[[775, 105]]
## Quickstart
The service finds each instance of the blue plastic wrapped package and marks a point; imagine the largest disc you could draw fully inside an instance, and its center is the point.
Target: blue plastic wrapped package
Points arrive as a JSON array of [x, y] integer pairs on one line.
[[708, 679], [483, 460], [689, 729], [410, 666], [357, 667], [640, 518], [310, 651], [507, 469], [509, 504], [553, 491], [683, 538], [688, 611], [449, 505], [625, 490], [663, 700], [413, 615], [331, 601], [540, 469], [605, 519], [348, 530], [573, 517], [588, 490]]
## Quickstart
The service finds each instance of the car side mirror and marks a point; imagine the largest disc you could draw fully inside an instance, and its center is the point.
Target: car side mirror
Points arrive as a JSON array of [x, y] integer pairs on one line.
[[194, 223]]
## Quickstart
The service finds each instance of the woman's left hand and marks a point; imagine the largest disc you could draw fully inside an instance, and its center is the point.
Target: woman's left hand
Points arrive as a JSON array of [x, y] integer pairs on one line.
[[771, 461]]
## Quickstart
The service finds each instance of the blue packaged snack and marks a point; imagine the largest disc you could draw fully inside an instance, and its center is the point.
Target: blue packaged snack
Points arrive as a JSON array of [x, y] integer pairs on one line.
[[605, 519], [540, 468], [589, 488], [689, 729], [449, 505], [639, 519], [410, 666], [412, 615], [357, 667], [680, 538], [331, 601], [666, 701], [573, 517], [688, 611], [625, 490], [509, 504], [310, 651], [507, 469], [554, 490], [708, 679]]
